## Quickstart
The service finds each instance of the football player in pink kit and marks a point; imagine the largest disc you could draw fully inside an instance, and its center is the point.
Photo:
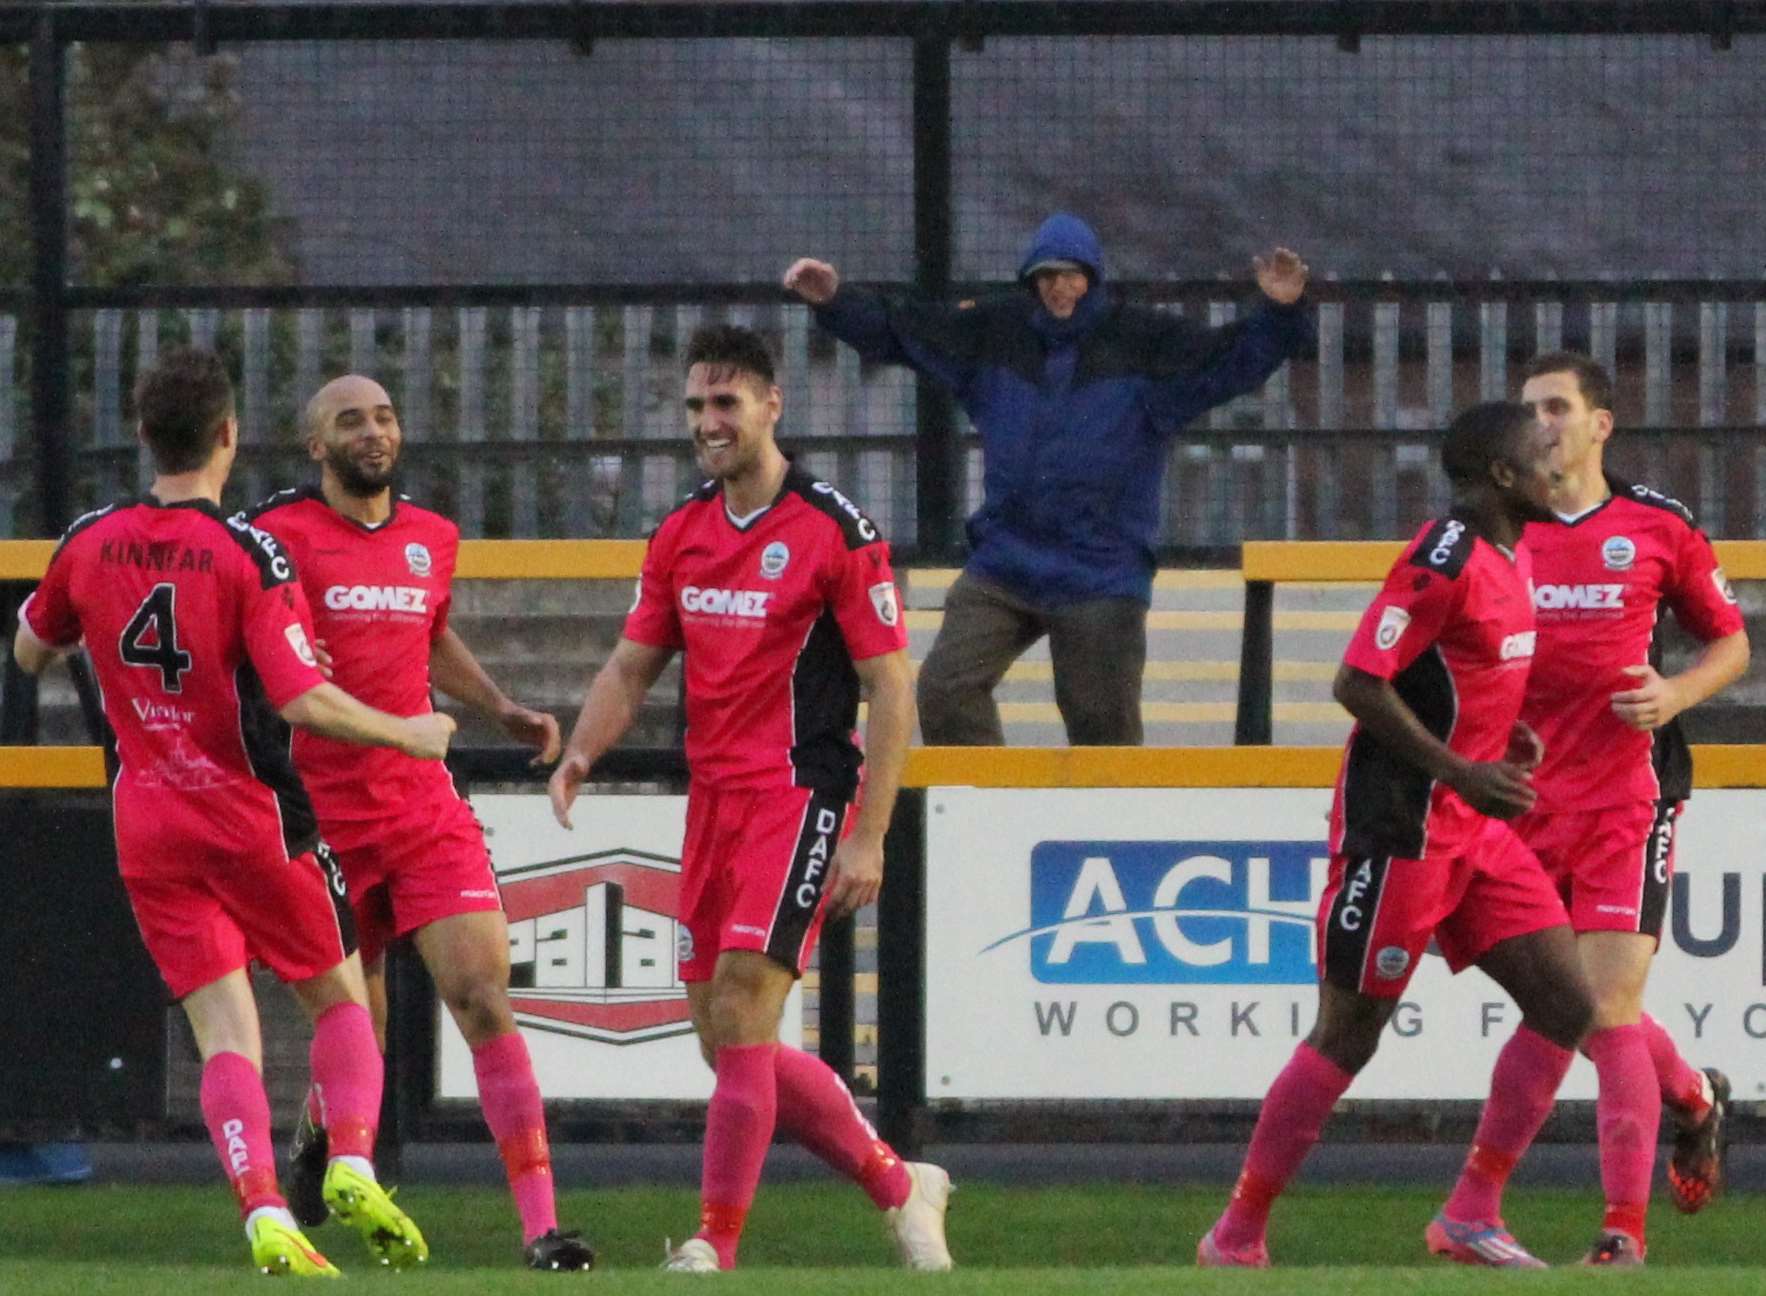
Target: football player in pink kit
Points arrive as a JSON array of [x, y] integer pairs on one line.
[[200, 638], [378, 572], [780, 593], [1434, 677], [1610, 788]]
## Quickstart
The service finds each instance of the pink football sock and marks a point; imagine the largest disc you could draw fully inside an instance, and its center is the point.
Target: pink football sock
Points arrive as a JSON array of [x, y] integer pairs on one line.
[[510, 1097], [1294, 1112], [817, 1110], [738, 1127], [347, 1079], [1522, 1087], [237, 1113], [1627, 1115], [1683, 1087]]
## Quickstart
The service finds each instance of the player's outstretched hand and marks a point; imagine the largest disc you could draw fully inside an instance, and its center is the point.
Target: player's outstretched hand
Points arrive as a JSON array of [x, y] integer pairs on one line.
[[537, 729], [1525, 748], [566, 782], [1648, 706], [855, 878], [428, 735], [1282, 276], [1499, 789], [814, 281]]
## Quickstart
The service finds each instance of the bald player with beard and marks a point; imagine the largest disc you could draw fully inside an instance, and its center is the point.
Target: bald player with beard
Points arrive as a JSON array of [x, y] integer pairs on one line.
[[378, 571]]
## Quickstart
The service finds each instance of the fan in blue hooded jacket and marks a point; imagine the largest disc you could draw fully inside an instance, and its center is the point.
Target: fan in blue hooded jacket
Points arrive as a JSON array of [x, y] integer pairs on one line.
[[1075, 396]]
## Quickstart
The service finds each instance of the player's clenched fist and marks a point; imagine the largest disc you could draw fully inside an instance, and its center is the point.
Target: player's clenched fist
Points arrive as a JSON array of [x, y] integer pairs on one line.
[[426, 736], [814, 281]]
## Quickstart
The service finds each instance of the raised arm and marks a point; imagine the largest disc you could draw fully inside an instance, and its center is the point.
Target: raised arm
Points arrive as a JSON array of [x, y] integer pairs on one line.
[[939, 341], [1199, 368], [607, 712]]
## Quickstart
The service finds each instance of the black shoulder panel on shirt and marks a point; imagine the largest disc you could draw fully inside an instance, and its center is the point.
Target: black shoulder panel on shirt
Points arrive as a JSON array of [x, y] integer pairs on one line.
[[1446, 547], [1655, 499], [85, 520], [293, 495], [703, 493], [858, 529], [274, 565]]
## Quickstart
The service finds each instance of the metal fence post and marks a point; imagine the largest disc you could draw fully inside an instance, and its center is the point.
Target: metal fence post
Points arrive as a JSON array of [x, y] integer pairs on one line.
[[1254, 725], [901, 976], [935, 486], [51, 410], [835, 1001]]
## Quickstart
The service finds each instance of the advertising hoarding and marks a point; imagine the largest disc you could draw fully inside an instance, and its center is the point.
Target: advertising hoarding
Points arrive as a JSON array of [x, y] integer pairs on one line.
[[1141, 944]]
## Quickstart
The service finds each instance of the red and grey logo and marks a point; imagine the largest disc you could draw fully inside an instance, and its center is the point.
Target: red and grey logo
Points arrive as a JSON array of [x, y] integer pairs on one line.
[[592, 946]]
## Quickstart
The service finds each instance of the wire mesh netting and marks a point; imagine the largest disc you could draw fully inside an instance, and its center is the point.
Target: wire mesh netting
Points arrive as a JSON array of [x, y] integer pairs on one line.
[[1534, 157], [649, 184], [683, 161]]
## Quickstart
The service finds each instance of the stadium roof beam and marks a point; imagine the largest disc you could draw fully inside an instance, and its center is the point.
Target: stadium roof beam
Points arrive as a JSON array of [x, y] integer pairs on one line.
[[1343, 20]]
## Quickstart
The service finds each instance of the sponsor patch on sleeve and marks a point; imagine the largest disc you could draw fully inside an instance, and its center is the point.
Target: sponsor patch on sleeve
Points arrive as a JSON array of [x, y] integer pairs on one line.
[[1393, 622], [883, 600], [1723, 586], [297, 640]]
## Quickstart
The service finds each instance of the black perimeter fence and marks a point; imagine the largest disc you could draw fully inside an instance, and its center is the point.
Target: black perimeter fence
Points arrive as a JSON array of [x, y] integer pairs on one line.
[[513, 213]]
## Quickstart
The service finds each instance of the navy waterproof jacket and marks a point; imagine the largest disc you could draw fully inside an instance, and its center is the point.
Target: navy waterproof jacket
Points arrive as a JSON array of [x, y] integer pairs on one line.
[[1074, 414]]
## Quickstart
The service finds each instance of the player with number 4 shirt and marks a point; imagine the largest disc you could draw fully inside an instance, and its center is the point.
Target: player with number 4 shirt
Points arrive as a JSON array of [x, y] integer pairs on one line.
[[201, 640]]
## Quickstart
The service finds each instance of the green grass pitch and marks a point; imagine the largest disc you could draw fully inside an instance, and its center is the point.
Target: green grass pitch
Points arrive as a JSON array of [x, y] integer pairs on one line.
[[825, 1238]]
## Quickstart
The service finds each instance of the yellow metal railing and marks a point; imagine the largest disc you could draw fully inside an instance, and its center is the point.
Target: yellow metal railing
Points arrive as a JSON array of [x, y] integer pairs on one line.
[[1718, 766]]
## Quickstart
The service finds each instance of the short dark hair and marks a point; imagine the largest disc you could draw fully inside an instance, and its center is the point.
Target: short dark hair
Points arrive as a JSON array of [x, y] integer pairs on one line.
[[1592, 378], [182, 403], [731, 346], [1480, 436]]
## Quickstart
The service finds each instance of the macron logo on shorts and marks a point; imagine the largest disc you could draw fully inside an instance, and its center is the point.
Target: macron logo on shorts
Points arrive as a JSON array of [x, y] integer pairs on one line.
[[377, 598]]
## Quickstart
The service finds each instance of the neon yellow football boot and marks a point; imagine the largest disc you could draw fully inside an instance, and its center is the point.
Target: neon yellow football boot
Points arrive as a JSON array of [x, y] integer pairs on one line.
[[365, 1206], [284, 1252]]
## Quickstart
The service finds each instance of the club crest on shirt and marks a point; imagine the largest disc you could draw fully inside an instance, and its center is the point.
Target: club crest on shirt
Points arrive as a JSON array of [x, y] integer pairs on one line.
[[417, 558], [1391, 961], [1393, 622], [1618, 553], [883, 600], [773, 560]]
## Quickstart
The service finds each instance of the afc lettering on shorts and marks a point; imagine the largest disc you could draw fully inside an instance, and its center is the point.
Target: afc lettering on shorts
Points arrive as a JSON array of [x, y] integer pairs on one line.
[[826, 826], [1350, 928]]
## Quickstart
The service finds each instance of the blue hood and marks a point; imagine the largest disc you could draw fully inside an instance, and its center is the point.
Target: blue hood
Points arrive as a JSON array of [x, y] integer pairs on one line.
[[1065, 237]]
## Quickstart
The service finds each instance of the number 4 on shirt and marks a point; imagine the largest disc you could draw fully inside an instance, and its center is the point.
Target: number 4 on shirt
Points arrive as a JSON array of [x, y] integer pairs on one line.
[[151, 638]]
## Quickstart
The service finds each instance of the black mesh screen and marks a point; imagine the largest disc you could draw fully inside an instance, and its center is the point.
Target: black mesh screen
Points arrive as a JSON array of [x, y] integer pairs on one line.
[[1534, 157], [684, 161]]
